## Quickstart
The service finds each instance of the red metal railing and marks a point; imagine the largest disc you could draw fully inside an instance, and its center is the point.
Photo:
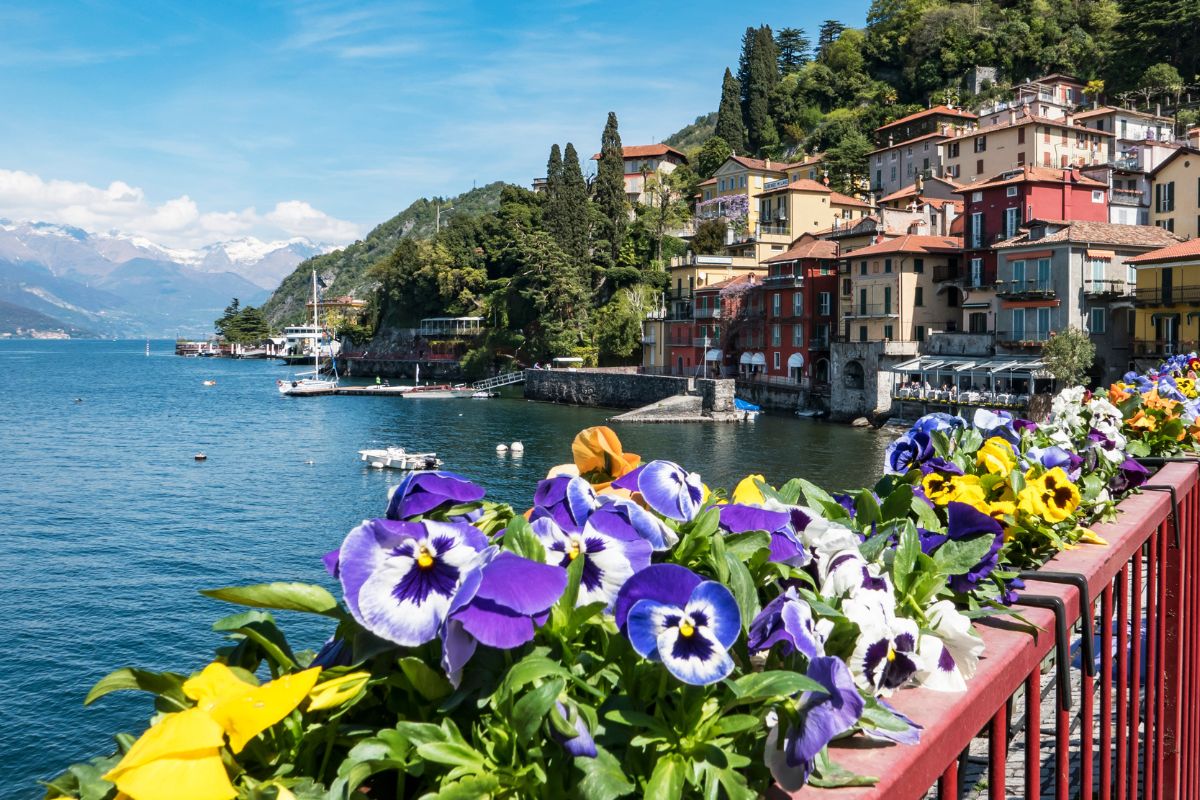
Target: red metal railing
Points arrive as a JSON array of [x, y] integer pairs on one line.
[[1126, 714]]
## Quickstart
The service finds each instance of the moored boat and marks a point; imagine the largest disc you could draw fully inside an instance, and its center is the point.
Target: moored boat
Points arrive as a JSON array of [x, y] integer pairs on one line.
[[397, 458]]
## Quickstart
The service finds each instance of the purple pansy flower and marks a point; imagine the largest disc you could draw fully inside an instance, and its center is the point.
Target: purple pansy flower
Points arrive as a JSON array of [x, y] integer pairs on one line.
[[625, 519], [568, 501], [822, 716], [787, 621], [910, 735], [422, 492], [671, 491], [786, 547], [500, 605], [939, 464], [399, 578], [966, 522], [608, 561], [1130, 475], [847, 573], [906, 452], [671, 615], [885, 654], [937, 421], [996, 423], [581, 745]]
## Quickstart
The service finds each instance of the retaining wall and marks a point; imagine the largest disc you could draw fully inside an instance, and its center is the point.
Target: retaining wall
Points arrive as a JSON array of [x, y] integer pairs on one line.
[[608, 389]]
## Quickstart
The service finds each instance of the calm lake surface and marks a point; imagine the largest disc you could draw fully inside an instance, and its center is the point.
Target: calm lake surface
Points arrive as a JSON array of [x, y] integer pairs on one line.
[[110, 527]]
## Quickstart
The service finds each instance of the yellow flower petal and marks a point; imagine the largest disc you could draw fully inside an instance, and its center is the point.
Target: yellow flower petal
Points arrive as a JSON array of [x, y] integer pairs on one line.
[[1091, 537], [246, 714], [214, 682], [334, 692], [177, 734], [197, 775], [747, 491]]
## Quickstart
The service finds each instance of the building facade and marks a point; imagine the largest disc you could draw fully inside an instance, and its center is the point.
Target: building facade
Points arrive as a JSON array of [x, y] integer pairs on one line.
[[1167, 300], [642, 163], [800, 288], [1175, 193], [1018, 138]]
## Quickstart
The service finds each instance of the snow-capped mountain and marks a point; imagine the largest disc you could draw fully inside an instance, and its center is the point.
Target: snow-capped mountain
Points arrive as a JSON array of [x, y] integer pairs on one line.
[[119, 284]]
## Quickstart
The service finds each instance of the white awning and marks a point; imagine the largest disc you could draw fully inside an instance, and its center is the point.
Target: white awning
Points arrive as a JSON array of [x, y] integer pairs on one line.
[[758, 360], [712, 355], [795, 361], [745, 359], [964, 366]]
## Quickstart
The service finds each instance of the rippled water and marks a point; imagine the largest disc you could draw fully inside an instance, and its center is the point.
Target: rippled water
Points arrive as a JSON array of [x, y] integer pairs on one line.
[[109, 526]]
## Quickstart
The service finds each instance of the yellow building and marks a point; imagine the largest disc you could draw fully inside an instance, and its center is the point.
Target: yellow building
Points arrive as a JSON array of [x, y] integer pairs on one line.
[[1167, 299], [1175, 196], [734, 186], [1016, 137]]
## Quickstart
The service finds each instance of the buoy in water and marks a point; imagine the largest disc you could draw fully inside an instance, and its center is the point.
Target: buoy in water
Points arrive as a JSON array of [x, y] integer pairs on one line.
[[501, 448], [210, 383], [200, 457], [517, 447]]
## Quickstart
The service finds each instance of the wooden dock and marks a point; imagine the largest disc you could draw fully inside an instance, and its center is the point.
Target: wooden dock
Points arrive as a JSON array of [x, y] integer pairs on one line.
[[374, 391]]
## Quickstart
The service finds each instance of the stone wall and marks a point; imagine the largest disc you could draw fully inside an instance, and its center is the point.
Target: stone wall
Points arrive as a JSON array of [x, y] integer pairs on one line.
[[860, 383], [608, 389], [781, 396], [716, 395]]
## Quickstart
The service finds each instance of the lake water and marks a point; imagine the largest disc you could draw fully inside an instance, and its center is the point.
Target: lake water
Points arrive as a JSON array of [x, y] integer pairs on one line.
[[109, 526]]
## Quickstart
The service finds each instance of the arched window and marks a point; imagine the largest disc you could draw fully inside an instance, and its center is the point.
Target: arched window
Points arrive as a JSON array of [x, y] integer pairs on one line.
[[854, 378]]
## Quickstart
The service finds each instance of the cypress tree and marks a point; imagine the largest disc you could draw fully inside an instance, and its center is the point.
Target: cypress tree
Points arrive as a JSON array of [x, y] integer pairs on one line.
[[554, 174], [610, 186], [764, 76], [572, 228], [743, 73], [730, 126]]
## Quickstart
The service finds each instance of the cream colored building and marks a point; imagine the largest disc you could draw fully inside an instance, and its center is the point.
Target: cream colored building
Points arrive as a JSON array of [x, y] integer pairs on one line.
[[1175, 193], [1016, 138], [738, 181]]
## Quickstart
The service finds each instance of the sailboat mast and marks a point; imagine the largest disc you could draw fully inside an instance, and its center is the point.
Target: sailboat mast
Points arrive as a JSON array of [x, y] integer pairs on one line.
[[317, 332]]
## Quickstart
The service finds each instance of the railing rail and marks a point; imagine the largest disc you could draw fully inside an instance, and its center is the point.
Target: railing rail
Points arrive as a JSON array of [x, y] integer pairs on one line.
[[1175, 295], [1125, 719]]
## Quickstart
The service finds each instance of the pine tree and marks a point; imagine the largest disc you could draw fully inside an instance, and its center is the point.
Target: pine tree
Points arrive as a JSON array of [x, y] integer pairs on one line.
[[795, 49], [712, 155], [610, 186], [831, 29], [730, 126], [764, 76]]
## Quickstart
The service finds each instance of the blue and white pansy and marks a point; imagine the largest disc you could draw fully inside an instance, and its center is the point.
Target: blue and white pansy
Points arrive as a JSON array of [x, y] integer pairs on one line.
[[672, 615], [885, 654], [607, 560], [399, 577], [671, 490], [950, 652]]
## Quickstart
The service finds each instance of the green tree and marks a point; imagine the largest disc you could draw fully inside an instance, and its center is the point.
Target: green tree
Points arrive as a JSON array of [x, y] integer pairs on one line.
[[730, 126], [665, 208], [618, 327], [548, 297], [554, 175], [566, 215], [1069, 355], [764, 75], [846, 161], [610, 187], [795, 49], [714, 153], [227, 318], [709, 238], [830, 30]]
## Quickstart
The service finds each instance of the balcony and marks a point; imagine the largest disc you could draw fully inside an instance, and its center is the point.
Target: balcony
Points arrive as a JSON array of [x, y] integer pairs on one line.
[[709, 342], [871, 310], [818, 344], [1156, 347], [1032, 289], [706, 313], [945, 272], [649, 337], [1025, 338], [1105, 288], [1158, 297], [1129, 197], [774, 229], [783, 281], [677, 294]]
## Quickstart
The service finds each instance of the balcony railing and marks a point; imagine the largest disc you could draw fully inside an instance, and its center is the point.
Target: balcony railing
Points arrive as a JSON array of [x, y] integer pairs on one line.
[[946, 272], [1175, 296], [1163, 347], [1025, 338], [872, 310], [783, 281], [775, 229], [1128, 197], [649, 338], [706, 313], [706, 341], [677, 294], [1107, 287], [1032, 287]]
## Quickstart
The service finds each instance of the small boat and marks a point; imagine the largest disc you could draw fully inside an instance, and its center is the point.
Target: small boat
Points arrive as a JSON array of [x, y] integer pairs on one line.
[[210, 383], [200, 457], [484, 394], [440, 392], [398, 458], [746, 409]]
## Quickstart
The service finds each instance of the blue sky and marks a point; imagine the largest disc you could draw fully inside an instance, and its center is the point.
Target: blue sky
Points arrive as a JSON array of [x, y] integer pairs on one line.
[[198, 121]]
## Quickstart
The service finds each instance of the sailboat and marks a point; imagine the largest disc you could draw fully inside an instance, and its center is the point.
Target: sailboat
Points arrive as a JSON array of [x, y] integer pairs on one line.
[[301, 385]]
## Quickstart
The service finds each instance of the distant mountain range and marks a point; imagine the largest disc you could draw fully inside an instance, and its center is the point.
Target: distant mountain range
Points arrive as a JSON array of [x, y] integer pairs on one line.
[[113, 284]]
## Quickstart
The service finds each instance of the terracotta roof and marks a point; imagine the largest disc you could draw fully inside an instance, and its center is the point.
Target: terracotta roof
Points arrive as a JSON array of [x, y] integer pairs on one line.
[[759, 164], [812, 248], [912, 243], [1148, 236], [1189, 250], [943, 110], [939, 202], [816, 158], [907, 142], [803, 185], [749, 277], [837, 198], [959, 225], [708, 182], [1033, 174], [646, 151], [1129, 112], [1028, 119], [1181, 151]]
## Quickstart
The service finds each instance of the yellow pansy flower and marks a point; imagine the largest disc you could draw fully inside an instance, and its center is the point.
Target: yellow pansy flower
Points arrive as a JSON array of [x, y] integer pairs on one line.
[[1003, 511], [1060, 496], [747, 491], [1141, 421], [943, 489], [333, 693], [177, 759], [1029, 500], [937, 487], [242, 709], [996, 456]]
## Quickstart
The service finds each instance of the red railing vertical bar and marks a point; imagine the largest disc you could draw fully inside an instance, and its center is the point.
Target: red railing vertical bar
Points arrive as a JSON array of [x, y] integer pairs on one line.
[[1160, 658], [1033, 735], [1062, 745], [948, 782], [1106, 691], [1174, 644], [997, 748], [1122, 774], [1135, 674], [1087, 698], [1191, 628], [1149, 718]]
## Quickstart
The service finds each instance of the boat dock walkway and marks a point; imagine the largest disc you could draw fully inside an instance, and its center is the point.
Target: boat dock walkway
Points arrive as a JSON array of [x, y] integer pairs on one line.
[[387, 391]]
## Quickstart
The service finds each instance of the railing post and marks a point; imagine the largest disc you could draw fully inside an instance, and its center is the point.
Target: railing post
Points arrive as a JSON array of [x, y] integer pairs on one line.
[[1180, 628]]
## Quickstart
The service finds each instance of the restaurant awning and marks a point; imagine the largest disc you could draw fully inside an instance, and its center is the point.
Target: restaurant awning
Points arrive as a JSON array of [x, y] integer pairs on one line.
[[713, 355], [795, 361], [979, 366], [758, 360], [747, 358]]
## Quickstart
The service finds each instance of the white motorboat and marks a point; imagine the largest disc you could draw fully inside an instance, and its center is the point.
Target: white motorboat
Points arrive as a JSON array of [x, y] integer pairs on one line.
[[442, 392], [313, 386], [398, 458]]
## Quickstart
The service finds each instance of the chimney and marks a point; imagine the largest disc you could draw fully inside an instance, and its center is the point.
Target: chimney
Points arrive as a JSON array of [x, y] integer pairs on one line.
[[891, 140], [1012, 115], [768, 163], [1070, 118]]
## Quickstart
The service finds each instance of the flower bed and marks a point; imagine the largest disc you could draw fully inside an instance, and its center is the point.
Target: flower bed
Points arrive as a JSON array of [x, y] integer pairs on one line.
[[637, 632]]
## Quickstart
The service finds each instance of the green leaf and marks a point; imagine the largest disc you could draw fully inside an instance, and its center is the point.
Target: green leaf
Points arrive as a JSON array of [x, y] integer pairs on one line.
[[971, 440], [866, 509], [305, 597], [879, 717], [603, 778], [815, 495], [533, 667], [735, 785], [927, 518], [570, 595], [167, 684], [736, 723], [958, 555], [707, 522], [789, 493], [430, 684], [531, 709], [520, 538], [828, 775], [452, 753], [469, 788], [941, 444], [666, 782], [744, 591], [775, 683], [717, 553], [744, 546], [637, 719], [264, 633], [906, 557], [897, 504]]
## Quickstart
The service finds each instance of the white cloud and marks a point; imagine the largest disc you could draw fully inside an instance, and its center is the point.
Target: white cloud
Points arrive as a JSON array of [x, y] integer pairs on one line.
[[178, 222]]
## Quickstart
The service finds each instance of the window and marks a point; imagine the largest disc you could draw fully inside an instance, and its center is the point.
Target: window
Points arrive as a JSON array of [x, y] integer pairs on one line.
[[862, 268], [976, 230], [979, 167], [1046, 156], [887, 300], [878, 177], [797, 336], [1018, 324], [920, 333], [980, 144], [893, 173], [825, 301], [952, 150], [1097, 195], [1164, 196], [776, 304], [797, 304], [1020, 136], [776, 359], [976, 197], [977, 272], [887, 332], [1021, 158], [887, 265], [862, 302], [1018, 271], [1010, 191], [977, 322], [1096, 320], [722, 184], [918, 265], [1043, 324], [1012, 216], [862, 333], [919, 296], [1043, 274]]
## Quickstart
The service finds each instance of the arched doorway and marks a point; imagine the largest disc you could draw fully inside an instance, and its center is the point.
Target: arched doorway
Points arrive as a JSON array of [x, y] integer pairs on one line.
[[821, 370], [795, 367]]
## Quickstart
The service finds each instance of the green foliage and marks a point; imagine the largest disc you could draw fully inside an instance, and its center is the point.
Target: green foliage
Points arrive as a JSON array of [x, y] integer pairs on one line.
[[709, 238], [847, 160], [714, 153], [618, 325], [690, 137], [762, 75], [548, 298], [829, 32], [1161, 76], [1069, 355], [566, 214], [730, 127], [610, 186], [795, 49], [422, 279], [242, 325]]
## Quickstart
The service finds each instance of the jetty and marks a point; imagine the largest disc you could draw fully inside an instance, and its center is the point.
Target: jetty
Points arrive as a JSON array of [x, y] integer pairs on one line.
[[377, 390]]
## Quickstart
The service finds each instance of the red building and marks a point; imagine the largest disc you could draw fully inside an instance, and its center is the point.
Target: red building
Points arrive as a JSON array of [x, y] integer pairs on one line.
[[800, 298], [726, 321], [996, 208]]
